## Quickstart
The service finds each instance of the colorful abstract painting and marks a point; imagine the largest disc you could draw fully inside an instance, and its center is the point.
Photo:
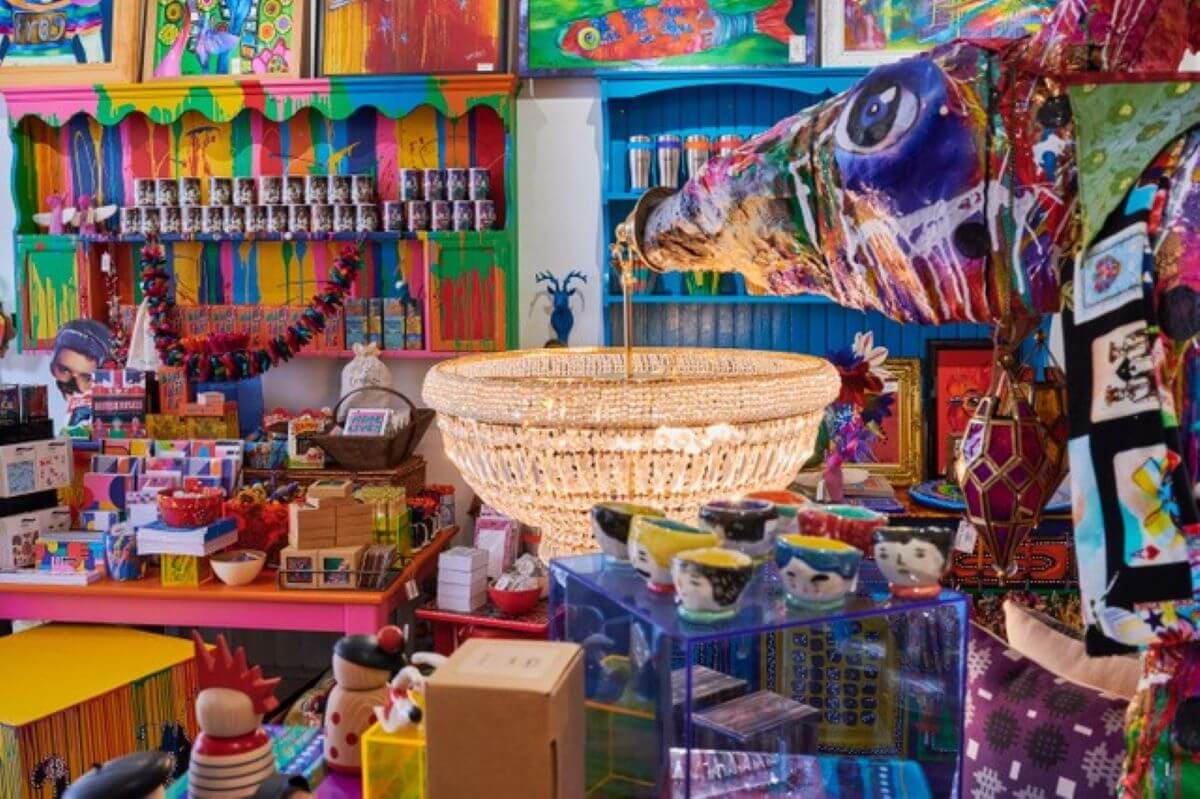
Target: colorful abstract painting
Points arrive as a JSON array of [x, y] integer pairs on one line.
[[583, 36], [378, 37], [45, 41], [232, 38], [868, 32]]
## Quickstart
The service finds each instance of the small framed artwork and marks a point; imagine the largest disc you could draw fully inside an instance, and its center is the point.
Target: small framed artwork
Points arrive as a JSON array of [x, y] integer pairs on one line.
[[223, 39], [567, 37], [958, 375], [367, 422], [388, 37], [896, 454], [864, 33], [71, 43]]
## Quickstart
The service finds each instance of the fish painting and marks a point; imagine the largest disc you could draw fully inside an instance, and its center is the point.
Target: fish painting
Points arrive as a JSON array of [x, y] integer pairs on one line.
[[670, 28]]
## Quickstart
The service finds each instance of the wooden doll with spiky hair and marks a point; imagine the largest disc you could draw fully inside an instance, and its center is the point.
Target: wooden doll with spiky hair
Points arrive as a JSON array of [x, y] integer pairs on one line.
[[232, 755]]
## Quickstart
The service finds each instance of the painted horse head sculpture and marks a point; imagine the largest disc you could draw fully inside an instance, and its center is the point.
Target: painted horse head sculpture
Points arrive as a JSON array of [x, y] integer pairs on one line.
[[941, 188]]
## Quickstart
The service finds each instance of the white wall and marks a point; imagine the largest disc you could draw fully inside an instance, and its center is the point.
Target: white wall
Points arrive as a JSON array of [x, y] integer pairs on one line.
[[559, 213]]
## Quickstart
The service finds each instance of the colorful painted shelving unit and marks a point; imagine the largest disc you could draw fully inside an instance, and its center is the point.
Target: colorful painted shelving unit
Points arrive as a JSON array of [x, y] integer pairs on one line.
[[95, 141], [706, 310]]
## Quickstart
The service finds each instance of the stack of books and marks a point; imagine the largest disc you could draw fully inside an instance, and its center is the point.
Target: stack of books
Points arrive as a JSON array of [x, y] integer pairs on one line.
[[158, 538]]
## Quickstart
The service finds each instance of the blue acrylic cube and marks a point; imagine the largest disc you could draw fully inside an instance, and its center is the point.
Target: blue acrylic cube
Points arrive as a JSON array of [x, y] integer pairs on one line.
[[874, 687]]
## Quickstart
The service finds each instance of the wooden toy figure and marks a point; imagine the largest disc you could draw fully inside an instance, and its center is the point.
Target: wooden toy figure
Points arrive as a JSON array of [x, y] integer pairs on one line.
[[362, 665], [232, 755], [141, 775]]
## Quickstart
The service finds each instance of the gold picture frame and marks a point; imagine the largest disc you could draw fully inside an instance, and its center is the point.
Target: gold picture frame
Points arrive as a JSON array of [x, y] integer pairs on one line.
[[117, 44], [904, 424]]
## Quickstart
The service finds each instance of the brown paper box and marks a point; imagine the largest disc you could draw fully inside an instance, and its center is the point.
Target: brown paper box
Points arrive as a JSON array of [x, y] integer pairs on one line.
[[533, 691]]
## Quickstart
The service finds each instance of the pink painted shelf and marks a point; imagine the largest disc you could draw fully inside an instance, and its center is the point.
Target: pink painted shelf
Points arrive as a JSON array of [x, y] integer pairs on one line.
[[261, 605]]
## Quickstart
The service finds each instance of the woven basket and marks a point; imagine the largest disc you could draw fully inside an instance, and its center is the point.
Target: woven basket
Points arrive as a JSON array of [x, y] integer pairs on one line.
[[368, 453], [542, 435]]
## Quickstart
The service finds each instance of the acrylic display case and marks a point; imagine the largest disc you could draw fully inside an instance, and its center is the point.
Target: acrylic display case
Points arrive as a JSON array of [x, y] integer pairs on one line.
[[868, 696]]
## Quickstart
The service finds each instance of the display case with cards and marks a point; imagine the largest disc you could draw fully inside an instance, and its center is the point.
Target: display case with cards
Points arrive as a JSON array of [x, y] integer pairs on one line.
[[878, 677]]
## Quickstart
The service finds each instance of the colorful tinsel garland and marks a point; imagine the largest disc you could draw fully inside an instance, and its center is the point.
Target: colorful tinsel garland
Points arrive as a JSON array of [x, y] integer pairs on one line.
[[228, 357]]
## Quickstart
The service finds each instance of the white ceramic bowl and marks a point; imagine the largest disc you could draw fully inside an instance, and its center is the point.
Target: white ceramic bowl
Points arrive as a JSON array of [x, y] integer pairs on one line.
[[238, 566]]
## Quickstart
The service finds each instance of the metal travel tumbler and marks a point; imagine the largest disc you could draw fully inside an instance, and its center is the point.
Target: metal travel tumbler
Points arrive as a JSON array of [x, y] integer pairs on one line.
[[728, 143], [669, 152], [697, 153], [640, 148]]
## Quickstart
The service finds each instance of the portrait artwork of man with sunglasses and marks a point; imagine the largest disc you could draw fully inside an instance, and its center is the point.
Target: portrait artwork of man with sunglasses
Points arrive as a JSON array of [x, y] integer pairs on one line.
[[80, 348]]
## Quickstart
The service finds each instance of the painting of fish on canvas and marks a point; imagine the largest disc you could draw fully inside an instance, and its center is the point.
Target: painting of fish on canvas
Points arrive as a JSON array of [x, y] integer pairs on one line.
[[381, 37], [872, 32], [59, 41], [223, 38], [587, 36]]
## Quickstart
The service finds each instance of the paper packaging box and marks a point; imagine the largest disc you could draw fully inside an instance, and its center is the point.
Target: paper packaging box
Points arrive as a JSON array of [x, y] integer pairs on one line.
[[248, 320], [172, 389], [134, 447], [18, 469], [18, 540], [139, 514], [375, 321], [461, 598], [222, 319], [35, 403], [56, 520], [10, 403], [194, 320], [533, 691], [53, 464], [299, 568], [330, 488], [356, 312], [500, 537], [99, 520], [393, 324], [339, 566], [105, 491], [462, 559], [333, 338]]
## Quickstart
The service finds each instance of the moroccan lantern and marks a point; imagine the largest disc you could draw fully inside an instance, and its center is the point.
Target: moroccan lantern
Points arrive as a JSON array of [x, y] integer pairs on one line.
[[1007, 474]]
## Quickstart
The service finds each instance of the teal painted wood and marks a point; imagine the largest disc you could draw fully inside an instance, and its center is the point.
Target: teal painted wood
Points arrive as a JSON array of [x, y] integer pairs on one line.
[[743, 102]]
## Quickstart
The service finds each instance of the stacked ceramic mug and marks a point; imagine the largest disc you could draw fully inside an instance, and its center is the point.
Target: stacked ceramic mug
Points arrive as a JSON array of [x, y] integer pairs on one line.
[[237, 206], [442, 199]]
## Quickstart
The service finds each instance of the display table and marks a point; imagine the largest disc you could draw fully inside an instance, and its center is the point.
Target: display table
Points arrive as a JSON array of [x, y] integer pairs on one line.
[[410, 474], [451, 628], [261, 605]]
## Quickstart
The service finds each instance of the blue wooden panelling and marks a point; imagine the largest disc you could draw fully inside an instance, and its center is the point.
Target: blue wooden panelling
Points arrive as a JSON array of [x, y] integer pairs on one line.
[[812, 328], [742, 103]]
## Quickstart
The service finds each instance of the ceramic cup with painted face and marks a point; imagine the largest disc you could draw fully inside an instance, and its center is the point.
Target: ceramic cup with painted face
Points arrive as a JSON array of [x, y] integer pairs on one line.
[[709, 583], [913, 559], [746, 525], [788, 503], [816, 573], [653, 542], [611, 522]]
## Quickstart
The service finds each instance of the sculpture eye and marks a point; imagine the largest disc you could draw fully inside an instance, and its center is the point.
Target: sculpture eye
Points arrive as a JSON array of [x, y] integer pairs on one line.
[[589, 38], [879, 115]]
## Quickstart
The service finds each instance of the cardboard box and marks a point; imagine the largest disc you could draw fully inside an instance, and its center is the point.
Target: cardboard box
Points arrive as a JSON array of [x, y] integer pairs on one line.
[[375, 321], [19, 469], [393, 324], [184, 571], [298, 568], [172, 389], [18, 540], [194, 320], [533, 691], [54, 464], [333, 338], [339, 566], [330, 488], [248, 320]]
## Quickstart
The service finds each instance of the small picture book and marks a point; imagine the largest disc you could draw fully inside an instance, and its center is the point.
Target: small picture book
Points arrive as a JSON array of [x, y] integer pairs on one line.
[[368, 422]]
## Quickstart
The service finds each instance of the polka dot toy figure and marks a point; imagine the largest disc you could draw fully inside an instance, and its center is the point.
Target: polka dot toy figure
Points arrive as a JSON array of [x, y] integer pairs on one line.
[[362, 666]]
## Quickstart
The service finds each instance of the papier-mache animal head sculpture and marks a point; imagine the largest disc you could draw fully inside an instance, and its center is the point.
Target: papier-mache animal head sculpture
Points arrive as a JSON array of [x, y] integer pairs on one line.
[[942, 188]]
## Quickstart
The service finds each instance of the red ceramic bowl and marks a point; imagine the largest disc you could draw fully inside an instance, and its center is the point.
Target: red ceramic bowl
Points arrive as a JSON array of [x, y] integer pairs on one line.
[[515, 603], [849, 523], [198, 509]]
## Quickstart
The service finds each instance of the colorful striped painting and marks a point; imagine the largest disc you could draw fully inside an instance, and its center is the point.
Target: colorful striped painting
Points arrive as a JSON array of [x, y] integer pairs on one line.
[[377, 37]]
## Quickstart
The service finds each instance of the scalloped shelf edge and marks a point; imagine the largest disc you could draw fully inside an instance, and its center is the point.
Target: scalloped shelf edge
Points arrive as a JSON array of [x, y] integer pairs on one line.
[[278, 100]]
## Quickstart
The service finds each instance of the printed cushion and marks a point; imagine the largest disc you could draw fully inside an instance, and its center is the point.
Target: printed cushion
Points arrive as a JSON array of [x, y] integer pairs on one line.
[[1031, 734], [1056, 647]]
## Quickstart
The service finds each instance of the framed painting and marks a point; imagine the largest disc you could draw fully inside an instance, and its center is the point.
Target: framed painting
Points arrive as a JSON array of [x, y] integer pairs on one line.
[[582, 37], [388, 37], [47, 42], [223, 39], [958, 375], [857, 33], [896, 454]]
